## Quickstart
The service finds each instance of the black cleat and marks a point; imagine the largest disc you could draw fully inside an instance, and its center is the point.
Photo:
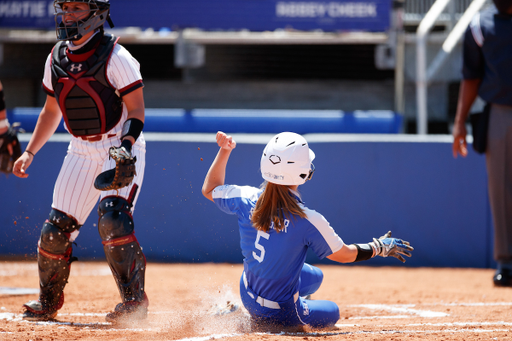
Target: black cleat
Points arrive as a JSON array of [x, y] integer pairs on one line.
[[130, 311], [503, 278], [34, 310]]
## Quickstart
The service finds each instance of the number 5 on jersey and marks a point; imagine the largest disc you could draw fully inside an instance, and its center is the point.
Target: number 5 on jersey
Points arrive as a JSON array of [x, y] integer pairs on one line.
[[259, 246]]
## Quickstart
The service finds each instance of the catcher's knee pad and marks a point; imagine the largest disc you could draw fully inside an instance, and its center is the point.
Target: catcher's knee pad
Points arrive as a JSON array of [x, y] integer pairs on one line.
[[56, 232], [122, 250], [115, 218], [54, 258]]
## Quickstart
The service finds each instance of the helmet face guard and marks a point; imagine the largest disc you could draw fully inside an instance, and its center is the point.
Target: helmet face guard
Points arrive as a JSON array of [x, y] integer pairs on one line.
[[95, 16], [287, 160], [310, 174]]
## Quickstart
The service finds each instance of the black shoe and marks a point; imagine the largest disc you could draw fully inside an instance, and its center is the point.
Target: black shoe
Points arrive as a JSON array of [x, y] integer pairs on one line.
[[34, 310], [130, 311], [503, 278]]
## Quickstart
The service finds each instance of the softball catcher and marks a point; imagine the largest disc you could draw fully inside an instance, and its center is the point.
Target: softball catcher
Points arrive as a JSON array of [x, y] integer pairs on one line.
[[96, 86], [277, 229]]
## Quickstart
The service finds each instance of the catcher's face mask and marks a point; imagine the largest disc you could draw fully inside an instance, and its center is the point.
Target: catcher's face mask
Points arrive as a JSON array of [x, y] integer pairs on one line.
[[74, 19]]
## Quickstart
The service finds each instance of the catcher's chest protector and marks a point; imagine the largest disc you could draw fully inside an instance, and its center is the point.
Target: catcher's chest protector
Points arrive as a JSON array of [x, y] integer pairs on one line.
[[88, 102]]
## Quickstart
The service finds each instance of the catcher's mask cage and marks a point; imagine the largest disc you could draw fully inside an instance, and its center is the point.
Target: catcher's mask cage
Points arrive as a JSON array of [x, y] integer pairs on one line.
[[98, 13], [287, 160]]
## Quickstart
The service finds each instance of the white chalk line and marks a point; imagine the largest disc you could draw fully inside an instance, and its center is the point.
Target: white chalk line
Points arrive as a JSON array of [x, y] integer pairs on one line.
[[209, 337], [18, 291], [407, 309], [18, 318], [440, 324], [392, 308], [381, 317], [457, 324], [476, 304], [331, 333], [78, 269], [403, 308]]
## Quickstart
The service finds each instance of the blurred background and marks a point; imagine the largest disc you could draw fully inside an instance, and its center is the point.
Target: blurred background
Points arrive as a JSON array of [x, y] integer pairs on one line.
[[372, 83], [260, 54]]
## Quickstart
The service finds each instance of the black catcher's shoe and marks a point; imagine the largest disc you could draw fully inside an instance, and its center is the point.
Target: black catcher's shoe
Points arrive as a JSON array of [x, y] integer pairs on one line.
[[503, 277], [130, 311], [34, 310]]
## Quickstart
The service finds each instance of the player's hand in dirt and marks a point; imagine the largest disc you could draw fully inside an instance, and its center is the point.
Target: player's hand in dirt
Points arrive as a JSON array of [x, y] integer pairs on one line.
[[392, 247], [225, 141]]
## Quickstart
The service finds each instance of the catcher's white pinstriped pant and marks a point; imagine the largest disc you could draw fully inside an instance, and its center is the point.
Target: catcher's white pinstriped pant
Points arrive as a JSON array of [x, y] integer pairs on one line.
[[74, 191]]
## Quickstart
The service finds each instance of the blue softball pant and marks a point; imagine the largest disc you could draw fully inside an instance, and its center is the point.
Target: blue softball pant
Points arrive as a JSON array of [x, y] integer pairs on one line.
[[298, 311]]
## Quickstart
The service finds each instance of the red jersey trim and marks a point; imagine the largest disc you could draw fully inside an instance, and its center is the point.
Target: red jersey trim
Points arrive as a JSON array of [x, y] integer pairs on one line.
[[48, 91], [130, 88]]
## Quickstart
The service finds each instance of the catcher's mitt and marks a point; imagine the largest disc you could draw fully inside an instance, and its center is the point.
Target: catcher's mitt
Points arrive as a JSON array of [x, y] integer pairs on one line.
[[122, 175], [10, 149]]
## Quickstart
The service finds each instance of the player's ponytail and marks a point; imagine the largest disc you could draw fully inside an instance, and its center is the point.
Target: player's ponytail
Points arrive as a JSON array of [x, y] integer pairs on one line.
[[275, 205]]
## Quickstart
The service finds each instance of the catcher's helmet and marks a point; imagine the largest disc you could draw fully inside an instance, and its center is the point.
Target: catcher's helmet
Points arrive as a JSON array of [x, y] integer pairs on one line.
[[287, 160], [98, 13]]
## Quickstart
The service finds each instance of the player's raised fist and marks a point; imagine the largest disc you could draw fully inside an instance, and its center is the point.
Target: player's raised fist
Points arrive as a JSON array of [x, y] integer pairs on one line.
[[225, 141]]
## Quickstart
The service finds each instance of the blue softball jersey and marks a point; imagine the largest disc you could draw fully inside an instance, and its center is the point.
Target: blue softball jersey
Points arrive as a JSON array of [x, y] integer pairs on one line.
[[273, 260]]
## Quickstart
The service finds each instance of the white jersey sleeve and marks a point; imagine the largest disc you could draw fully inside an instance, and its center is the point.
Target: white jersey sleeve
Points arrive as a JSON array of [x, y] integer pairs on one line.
[[47, 78], [327, 233], [123, 71], [229, 198]]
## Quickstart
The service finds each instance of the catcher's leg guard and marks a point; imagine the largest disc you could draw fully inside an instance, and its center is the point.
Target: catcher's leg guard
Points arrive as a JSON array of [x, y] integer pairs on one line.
[[123, 252], [54, 259]]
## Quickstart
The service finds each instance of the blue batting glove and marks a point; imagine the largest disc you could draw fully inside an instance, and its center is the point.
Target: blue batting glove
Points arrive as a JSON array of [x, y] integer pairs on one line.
[[386, 246]]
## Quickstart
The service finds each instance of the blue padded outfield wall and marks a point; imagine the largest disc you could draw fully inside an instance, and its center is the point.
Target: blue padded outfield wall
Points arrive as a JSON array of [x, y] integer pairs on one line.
[[365, 185], [254, 15], [249, 121]]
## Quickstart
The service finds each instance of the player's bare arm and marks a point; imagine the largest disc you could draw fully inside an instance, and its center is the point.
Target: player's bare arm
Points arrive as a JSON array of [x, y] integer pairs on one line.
[[217, 172], [347, 254], [46, 125], [467, 95], [385, 246]]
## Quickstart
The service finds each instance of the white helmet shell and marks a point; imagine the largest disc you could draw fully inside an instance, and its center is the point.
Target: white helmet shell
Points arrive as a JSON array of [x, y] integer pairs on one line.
[[287, 160]]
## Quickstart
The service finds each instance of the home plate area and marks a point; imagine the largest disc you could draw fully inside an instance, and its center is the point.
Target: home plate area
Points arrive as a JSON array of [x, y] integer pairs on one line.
[[201, 302]]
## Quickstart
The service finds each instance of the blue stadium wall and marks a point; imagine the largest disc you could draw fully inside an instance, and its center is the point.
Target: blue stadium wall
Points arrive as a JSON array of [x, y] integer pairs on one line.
[[260, 15], [364, 185]]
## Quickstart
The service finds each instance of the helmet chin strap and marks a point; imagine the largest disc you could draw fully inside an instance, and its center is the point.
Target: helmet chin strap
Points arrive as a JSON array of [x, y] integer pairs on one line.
[[110, 23]]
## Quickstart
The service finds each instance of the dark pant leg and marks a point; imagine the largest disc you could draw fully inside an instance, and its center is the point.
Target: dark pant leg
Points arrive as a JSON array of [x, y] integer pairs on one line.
[[499, 170]]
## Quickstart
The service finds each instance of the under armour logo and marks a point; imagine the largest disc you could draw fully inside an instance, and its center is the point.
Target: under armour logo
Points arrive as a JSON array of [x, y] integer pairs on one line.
[[57, 220], [76, 68], [274, 159], [110, 204]]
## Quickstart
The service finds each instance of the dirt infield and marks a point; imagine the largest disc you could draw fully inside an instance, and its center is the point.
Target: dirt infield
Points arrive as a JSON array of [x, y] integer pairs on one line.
[[387, 303]]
